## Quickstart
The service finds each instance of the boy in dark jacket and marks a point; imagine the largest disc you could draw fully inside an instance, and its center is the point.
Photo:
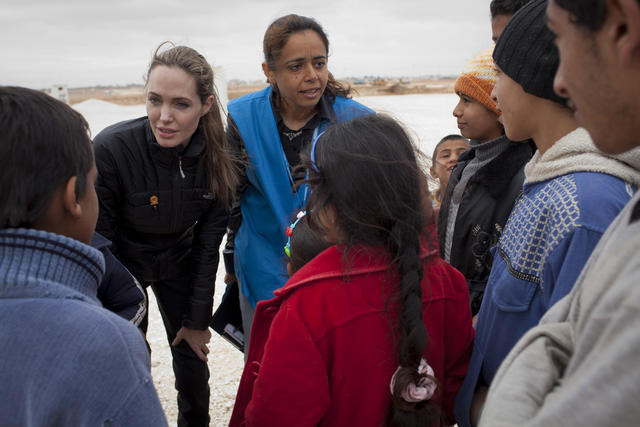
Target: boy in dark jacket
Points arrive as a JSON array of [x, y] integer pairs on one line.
[[119, 291], [484, 184]]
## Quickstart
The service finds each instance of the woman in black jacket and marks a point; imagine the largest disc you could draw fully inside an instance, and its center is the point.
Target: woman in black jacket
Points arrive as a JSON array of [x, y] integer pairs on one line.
[[165, 185]]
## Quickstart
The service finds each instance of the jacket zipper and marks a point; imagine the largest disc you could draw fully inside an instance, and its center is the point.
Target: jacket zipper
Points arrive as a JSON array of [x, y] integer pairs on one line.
[[180, 167]]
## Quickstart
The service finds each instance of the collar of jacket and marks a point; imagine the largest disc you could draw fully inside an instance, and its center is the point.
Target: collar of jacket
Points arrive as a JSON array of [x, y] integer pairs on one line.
[[328, 264], [99, 242], [27, 257], [497, 174], [324, 113], [194, 149]]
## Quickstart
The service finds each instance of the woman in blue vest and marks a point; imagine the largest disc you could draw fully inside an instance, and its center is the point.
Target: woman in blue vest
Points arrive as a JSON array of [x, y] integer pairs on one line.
[[269, 129]]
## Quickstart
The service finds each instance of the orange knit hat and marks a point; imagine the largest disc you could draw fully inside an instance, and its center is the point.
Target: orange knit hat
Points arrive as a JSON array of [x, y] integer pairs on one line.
[[478, 79]]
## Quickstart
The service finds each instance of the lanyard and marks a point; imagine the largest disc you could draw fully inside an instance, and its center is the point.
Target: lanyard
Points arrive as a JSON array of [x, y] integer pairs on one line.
[[301, 196]]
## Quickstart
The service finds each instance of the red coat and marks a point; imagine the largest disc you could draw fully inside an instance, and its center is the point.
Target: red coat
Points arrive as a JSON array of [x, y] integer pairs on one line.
[[322, 351]]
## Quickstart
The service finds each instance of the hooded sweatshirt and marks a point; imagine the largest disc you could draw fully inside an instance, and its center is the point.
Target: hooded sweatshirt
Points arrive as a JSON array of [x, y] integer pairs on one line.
[[571, 194]]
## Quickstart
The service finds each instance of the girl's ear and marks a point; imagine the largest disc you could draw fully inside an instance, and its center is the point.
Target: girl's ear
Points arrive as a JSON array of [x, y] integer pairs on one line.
[[69, 199], [327, 219]]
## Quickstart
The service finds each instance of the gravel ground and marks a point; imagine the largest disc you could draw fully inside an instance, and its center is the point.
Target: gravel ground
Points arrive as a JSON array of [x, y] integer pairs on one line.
[[225, 365]]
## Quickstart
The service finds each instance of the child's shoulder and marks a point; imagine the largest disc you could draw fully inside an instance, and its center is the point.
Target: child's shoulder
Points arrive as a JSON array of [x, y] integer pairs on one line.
[[441, 280]]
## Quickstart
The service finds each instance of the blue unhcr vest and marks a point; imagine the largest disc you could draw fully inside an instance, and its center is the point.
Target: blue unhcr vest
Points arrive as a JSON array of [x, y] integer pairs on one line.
[[268, 203]]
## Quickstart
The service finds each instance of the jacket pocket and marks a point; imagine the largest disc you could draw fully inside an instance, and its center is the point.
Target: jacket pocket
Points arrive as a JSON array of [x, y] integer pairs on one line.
[[149, 211], [513, 291], [194, 203]]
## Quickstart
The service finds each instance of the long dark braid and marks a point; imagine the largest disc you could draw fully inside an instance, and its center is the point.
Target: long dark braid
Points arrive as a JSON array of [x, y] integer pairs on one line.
[[367, 170], [413, 334]]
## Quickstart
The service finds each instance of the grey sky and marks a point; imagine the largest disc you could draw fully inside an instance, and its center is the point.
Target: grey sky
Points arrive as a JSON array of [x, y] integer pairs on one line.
[[91, 42]]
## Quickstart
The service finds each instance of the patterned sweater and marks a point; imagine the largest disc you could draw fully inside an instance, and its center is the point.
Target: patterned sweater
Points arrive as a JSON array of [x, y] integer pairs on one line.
[[64, 360], [552, 230]]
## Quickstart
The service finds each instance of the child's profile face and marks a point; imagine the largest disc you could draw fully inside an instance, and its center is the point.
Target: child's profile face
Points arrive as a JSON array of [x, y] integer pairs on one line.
[[446, 157], [475, 121], [516, 106]]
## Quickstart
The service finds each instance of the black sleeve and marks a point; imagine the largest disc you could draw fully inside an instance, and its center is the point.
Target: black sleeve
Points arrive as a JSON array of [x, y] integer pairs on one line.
[[236, 144], [109, 195], [120, 292], [208, 234]]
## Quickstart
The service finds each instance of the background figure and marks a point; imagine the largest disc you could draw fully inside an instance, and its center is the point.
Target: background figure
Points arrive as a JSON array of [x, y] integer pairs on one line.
[[484, 186], [501, 12], [445, 156], [270, 128], [119, 291], [64, 360], [165, 186], [303, 244], [572, 192], [380, 301]]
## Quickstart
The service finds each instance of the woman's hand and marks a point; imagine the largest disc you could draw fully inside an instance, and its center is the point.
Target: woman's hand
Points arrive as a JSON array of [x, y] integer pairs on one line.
[[196, 339]]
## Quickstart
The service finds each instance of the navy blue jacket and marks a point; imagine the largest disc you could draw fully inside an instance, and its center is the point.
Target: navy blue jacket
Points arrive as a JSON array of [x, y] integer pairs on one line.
[[119, 291]]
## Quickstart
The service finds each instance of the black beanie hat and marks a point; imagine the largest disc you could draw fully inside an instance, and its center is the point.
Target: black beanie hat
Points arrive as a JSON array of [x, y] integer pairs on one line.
[[525, 51]]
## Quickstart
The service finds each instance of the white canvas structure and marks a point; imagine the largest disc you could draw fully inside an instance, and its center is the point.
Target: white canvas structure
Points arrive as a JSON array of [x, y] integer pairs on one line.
[[60, 92]]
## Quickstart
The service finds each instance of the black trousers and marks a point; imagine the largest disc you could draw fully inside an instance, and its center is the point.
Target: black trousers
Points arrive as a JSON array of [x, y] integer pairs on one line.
[[192, 374]]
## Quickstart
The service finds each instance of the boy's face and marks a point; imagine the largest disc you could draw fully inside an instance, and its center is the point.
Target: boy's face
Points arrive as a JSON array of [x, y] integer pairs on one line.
[[446, 158], [89, 203], [516, 107], [475, 121], [603, 90], [497, 25]]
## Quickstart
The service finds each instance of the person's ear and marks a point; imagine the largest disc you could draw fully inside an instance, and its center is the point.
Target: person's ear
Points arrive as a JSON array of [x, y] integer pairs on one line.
[[206, 107], [268, 72], [70, 202], [432, 172], [623, 28]]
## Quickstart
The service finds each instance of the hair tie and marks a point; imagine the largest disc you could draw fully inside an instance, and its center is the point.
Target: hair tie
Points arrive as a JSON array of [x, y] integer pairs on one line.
[[289, 232], [420, 391]]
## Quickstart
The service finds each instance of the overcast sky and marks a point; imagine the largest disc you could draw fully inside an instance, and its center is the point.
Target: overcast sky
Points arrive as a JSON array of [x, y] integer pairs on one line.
[[105, 42]]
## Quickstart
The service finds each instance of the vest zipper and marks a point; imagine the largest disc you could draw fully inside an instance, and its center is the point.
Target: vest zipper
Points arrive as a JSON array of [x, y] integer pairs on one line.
[[180, 167]]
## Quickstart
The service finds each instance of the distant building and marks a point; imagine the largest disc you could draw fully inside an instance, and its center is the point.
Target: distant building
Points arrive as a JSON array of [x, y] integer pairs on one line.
[[60, 92]]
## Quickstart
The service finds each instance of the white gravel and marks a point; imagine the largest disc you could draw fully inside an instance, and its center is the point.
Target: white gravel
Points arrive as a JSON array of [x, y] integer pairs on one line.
[[225, 364]]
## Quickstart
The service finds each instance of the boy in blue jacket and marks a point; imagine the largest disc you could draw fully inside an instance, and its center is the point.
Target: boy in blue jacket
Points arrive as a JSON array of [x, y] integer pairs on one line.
[[64, 360]]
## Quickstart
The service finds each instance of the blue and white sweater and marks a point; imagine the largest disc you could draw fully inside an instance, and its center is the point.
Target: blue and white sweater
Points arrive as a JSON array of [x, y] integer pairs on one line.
[[65, 360], [571, 194]]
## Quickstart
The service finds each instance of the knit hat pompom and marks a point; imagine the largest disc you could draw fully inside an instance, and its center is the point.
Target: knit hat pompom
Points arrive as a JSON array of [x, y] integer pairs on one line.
[[478, 79], [525, 51]]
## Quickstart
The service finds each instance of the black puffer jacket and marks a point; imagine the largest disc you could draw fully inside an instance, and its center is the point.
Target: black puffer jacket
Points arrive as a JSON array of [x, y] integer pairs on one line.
[[157, 209], [486, 204]]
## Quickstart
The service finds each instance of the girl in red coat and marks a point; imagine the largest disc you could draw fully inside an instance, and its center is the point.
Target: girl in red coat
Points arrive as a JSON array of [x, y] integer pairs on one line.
[[376, 329]]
